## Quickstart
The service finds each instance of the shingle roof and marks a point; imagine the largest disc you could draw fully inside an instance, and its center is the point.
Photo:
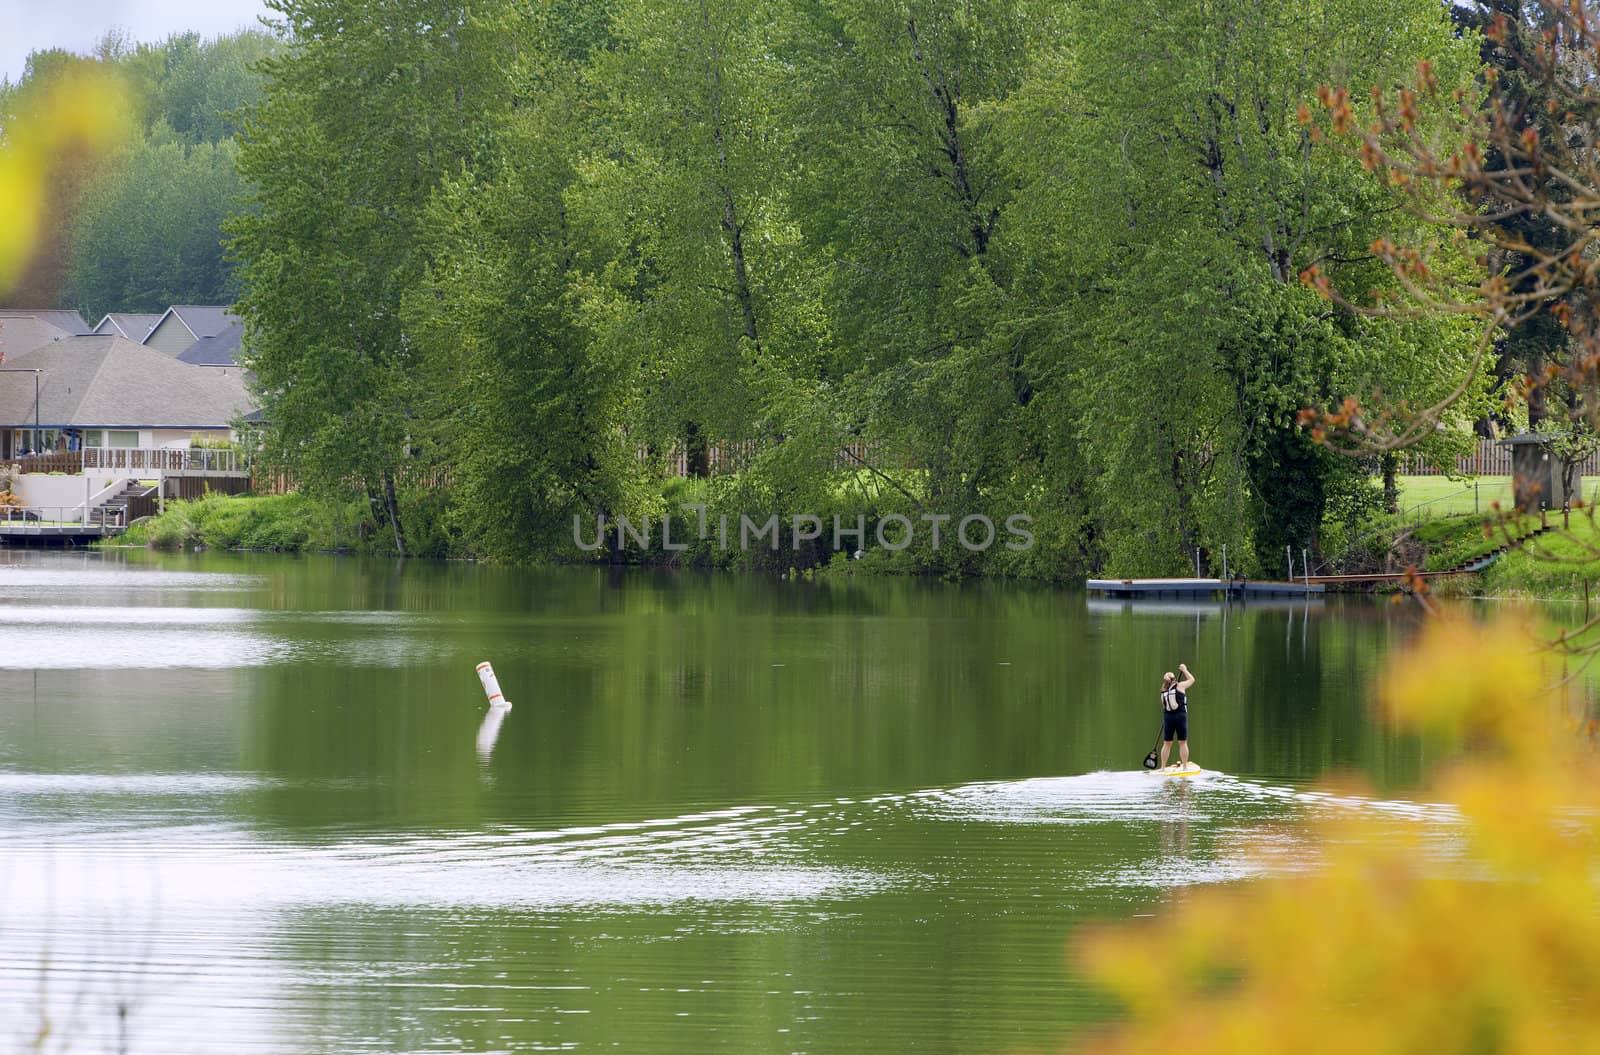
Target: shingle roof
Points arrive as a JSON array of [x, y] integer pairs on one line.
[[69, 321], [204, 320], [221, 350], [108, 381], [24, 333], [135, 326]]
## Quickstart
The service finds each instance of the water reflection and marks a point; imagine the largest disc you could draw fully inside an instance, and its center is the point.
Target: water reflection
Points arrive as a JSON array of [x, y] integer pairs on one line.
[[256, 794], [489, 732]]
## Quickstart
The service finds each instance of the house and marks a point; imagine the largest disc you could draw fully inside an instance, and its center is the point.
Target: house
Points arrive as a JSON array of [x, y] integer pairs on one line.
[[135, 326], [68, 322], [181, 325], [221, 349], [23, 332], [103, 390]]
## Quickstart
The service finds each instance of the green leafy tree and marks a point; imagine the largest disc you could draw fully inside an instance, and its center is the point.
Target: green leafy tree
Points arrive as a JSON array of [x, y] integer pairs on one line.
[[1172, 197], [204, 85], [688, 200], [367, 110], [532, 391], [147, 231]]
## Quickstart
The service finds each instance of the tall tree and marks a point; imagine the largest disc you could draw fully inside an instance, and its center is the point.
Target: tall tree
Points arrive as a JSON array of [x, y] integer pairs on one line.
[[531, 399], [689, 201], [367, 110], [1524, 349], [1180, 200], [904, 207], [147, 232]]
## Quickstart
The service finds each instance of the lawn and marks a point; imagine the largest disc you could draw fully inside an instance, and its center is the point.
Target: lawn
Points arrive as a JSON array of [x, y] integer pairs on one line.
[[1439, 496]]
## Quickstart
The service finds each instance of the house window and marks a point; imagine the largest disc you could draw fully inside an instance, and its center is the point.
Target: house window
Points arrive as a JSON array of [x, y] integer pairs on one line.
[[111, 437]]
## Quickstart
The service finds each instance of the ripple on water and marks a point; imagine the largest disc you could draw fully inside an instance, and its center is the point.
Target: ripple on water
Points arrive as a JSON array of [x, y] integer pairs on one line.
[[18, 582], [202, 908]]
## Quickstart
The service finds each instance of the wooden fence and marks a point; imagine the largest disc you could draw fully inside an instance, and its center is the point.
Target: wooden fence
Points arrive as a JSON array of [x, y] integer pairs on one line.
[[69, 462], [732, 457], [721, 459], [1490, 459], [186, 487]]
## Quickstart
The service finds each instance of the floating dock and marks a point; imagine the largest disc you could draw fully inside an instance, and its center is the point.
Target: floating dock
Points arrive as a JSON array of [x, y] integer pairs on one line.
[[12, 531], [1203, 588]]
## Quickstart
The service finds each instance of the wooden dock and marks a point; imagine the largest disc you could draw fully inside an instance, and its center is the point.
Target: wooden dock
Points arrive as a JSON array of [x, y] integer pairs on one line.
[[1204, 588]]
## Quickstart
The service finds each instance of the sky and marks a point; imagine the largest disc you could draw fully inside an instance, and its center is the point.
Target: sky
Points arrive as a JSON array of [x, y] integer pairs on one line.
[[33, 25]]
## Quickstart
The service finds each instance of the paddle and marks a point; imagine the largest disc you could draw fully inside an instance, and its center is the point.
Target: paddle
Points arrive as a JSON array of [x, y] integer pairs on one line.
[[1150, 759]]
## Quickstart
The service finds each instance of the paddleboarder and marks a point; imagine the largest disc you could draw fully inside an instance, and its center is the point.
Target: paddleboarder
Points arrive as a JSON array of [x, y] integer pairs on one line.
[[1175, 714]]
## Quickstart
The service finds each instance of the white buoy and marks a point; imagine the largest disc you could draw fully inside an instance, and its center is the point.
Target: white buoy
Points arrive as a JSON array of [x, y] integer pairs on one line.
[[491, 686]]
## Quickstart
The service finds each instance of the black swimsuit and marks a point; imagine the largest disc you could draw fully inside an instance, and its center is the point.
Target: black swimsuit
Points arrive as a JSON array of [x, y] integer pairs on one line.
[[1175, 724]]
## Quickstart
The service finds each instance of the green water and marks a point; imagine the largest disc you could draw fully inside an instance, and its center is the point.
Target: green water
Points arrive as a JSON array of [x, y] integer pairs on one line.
[[259, 803]]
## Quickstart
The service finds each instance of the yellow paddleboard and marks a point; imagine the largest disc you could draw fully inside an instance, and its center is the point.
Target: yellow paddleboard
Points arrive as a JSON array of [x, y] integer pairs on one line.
[[1176, 771]]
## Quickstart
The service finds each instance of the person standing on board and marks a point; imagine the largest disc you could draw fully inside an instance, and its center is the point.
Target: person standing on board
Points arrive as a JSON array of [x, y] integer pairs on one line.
[[1175, 714]]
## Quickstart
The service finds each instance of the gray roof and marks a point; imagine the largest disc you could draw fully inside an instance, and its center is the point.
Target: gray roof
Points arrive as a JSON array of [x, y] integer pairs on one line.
[[24, 333], [69, 321], [135, 326], [102, 381], [203, 320], [221, 350]]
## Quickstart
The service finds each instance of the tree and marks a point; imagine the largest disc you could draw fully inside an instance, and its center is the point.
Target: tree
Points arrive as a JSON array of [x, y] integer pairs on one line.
[[688, 202], [138, 227], [1174, 206], [367, 110], [1509, 167], [1523, 349], [204, 86], [533, 399], [146, 233]]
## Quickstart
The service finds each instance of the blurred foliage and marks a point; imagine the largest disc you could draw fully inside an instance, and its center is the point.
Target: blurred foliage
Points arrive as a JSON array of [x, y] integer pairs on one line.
[[134, 224], [61, 119], [1381, 944]]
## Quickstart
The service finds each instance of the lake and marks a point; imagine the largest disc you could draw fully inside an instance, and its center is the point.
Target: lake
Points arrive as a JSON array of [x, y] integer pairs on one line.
[[256, 803]]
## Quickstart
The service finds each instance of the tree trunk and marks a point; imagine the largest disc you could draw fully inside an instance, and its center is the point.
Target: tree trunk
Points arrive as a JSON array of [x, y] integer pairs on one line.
[[1391, 482], [391, 508], [696, 452]]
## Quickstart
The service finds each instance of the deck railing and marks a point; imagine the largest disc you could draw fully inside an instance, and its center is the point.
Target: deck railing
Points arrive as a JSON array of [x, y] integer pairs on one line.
[[62, 516], [165, 459]]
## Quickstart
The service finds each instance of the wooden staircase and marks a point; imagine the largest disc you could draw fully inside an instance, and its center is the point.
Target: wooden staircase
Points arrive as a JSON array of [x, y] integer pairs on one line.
[[114, 509]]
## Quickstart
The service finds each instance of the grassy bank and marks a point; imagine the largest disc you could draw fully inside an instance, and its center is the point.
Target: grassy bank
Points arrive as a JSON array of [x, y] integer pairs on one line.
[[288, 523], [1437, 528], [1556, 564], [1445, 519]]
